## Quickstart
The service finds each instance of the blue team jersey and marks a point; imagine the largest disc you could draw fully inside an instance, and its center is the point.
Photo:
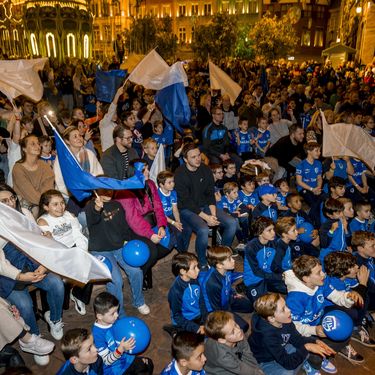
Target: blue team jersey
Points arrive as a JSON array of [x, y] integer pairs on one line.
[[262, 141], [359, 169], [160, 139], [229, 206], [309, 173], [281, 199], [172, 369], [356, 225], [247, 199], [245, 142], [340, 170], [168, 201]]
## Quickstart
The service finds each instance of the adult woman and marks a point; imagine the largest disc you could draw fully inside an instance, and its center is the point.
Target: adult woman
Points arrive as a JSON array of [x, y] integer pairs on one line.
[[23, 271], [314, 129], [143, 212], [279, 127], [31, 176]]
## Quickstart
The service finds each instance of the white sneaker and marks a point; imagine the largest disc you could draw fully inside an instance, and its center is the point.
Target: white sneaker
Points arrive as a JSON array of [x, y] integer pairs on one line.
[[37, 346], [41, 360], [144, 309], [78, 304], [56, 328]]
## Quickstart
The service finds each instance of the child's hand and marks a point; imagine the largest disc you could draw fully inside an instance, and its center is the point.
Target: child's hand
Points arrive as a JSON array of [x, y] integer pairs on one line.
[[201, 330], [98, 203], [161, 233], [155, 238], [16, 314], [126, 345], [178, 226], [363, 275], [250, 207], [320, 348], [218, 196], [319, 331], [316, 241], [334, 226], [41, 270], [354, 296]]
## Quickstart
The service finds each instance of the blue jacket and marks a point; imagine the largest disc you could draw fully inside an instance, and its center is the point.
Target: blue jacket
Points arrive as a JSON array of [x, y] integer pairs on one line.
[[172, 370], [186, 304], [266, 211], [259, 262], [283, 258], [215, 140], [335, 241], [94, 369], [369, 263]]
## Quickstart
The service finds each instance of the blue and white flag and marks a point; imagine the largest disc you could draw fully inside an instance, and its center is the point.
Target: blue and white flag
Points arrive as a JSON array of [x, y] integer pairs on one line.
[[107, 83], [81, 183]]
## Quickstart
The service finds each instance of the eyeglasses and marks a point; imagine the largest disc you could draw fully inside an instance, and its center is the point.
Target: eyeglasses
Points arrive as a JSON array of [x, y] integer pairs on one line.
[[127, 138], [9, 200]]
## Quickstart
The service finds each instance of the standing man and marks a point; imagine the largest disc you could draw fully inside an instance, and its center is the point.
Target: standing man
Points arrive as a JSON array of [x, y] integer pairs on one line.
[[119, 48], [196, 203]]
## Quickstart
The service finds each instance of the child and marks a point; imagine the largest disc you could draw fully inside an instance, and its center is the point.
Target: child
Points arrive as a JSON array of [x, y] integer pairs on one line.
[[267, 206], [157, 135], [262, 178], [262, 138], [230, 174], [364, 245], [369, 125], [243, 139], [363, 215], [307, 294], [168, 198], [348, 209], [216, 285], [226, 348], [218, 173], [115, 359], [286, 229], [260, 274], [277, 345], [247, 194], [66, 229], [184, 296], [334, 231], [150, 149], [336, 189], [80, 353], [232, 205], [46, 148], [343, 274], [283, 187], [188, 355], [309, 180]]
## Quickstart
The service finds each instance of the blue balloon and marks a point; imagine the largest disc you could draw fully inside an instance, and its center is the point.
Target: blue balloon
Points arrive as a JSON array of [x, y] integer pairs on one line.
[[131, 326], [135, 253], [306, 237], [337, 325], [106, 261]]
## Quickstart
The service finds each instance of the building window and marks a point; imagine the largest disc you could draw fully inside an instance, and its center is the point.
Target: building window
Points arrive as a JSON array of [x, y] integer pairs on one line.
[[239, 7], [253, 6], [166, 11], [71, 45], [207, 9], [51, 46], [225, 6], [306, 38], [34, 44], [318, 37], [194, 10], [105, 8], [182, 10], [182, 35], [15, 35], [86, 47]]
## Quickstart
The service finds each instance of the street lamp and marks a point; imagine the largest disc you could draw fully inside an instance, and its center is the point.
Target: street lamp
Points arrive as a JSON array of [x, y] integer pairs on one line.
[[358, 9]]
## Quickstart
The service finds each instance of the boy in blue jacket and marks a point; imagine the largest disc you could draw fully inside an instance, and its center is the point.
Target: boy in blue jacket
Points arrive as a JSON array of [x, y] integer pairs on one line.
[[277, 345], [261, 273], [267, 206], [185, 298], [216, 285], [362, 216]]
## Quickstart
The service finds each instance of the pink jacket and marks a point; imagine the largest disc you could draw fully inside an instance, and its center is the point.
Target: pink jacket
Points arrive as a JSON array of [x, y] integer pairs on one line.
[[134, 211]]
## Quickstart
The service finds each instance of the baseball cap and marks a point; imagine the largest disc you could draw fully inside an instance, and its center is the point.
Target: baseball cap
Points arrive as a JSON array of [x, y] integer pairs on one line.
[[266, 189]]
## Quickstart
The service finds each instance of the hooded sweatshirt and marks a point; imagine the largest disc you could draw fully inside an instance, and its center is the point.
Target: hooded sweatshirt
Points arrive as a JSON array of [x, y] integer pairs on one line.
[[307, 305], [268, 343]]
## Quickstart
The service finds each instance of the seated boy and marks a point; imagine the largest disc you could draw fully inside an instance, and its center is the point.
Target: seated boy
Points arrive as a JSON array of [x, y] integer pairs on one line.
[[277, 345], [247, 194], [184, 297], [218, 173], [188, 355], [307, 295], [226, 348], [230, 174], [216, 285], [362, 216], [283, 191], [80, 353], [116, 360], [260, 272], [267, 206], [150, 149]]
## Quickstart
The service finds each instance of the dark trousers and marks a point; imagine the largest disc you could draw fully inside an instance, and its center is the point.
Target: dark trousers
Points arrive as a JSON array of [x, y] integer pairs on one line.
[[140, 366], [241, 305], [314, 201], [253, 292]]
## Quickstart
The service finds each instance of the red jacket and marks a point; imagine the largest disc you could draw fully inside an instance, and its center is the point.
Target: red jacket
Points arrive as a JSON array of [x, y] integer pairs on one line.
[[134, 211]]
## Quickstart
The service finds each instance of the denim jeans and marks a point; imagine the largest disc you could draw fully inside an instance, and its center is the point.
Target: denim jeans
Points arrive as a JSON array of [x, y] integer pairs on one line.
[[54, 287], [134, 274], [200, 227], [274, 368]]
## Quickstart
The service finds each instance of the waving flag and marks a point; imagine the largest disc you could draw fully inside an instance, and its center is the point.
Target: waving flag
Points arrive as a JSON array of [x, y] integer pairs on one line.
[[81, 183], [158, 164], [20, 77], [107, 83], [74, 263]]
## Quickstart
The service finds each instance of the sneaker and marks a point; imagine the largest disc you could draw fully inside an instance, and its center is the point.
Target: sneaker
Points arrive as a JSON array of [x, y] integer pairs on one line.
[[37, 346], [144, 309], [78, 304], [56, 328], [241, 246], [41, 360], [328, 367], [362, 336], [351, 355], [310, 370]]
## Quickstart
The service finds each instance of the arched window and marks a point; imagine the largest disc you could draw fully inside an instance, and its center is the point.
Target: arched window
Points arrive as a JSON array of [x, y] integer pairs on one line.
[[71, 44], [86, 47], [51, 46], [34, 44], [15, 34]]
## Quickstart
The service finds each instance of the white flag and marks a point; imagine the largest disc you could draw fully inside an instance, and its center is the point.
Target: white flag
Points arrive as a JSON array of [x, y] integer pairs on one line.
[[158, 164], [219, 80], [348, 140], [74, 263], [20, 77]]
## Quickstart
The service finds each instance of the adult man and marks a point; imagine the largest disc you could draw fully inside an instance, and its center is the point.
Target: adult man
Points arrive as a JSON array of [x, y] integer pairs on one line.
[[216, 144], [115, 160], [250, 110], [289, 147], [196, 202]]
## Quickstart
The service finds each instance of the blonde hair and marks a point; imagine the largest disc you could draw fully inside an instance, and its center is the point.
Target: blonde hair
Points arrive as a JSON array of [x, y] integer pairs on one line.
[[218, 254], [266, 305], [215, 323], [229, 187], [147, 142]]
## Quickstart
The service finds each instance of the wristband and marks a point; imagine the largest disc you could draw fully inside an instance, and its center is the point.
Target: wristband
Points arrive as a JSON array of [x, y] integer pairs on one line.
[[118, 352], [331, 231], [311, 189], [173, 222]]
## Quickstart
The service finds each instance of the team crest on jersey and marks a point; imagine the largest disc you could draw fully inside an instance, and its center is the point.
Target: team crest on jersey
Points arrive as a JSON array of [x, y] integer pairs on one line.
[[253, 292], [320, 298], [285, 338], [316, 170]]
